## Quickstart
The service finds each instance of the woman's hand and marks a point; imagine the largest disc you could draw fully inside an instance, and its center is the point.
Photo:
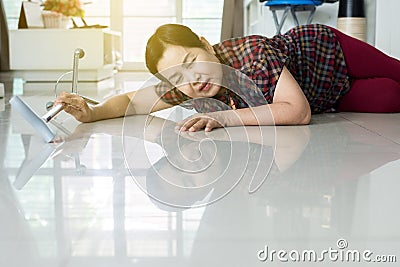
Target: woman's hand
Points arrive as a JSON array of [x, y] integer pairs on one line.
[[208, 121], [76, 106]]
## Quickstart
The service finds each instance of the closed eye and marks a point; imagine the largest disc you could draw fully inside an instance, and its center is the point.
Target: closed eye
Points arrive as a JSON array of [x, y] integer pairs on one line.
[[179, 80], [176, 78], [190, 64]]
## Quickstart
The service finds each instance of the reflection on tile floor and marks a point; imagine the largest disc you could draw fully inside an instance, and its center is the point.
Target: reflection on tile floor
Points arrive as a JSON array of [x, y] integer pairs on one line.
[[129, 192]]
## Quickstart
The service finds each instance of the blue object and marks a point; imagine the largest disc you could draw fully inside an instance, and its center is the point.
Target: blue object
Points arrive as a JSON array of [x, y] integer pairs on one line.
[[293, 6], [293, 2]]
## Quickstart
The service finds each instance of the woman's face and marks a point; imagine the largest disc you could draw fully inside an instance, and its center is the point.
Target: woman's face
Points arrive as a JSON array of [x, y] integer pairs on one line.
[[196, 72]]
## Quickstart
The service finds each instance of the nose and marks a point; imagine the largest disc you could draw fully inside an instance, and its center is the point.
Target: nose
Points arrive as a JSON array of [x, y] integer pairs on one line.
[[195, 78]]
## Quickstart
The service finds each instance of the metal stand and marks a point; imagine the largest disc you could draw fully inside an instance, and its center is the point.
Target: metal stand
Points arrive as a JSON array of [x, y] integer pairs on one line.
[[293, 9]]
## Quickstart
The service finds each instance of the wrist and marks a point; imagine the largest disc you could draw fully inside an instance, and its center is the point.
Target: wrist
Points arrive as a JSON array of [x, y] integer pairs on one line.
[[231, 118], [90, 114]]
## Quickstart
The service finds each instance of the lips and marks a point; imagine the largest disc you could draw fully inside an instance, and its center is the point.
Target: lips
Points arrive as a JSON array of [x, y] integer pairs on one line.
[[205, 86]]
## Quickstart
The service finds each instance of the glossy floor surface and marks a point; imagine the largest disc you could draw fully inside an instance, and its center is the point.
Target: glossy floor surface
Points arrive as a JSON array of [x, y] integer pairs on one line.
[[134, 192]]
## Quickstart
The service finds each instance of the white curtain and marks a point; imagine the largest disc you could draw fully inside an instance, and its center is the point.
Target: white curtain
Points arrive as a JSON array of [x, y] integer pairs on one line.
[[4, 54], [232, 19]]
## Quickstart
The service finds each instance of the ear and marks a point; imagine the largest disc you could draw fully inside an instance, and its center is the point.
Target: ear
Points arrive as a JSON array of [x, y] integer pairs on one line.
[[207, 45]]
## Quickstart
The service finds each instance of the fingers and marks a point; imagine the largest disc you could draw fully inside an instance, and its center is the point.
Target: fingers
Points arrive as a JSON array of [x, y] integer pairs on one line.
[[187, 124], [72, 100], [74, 105], [211, 124], [62, 98], [197, 123]]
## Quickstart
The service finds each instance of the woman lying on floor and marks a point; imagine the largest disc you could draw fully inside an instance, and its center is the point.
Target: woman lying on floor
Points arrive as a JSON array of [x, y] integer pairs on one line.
[[310, 69]]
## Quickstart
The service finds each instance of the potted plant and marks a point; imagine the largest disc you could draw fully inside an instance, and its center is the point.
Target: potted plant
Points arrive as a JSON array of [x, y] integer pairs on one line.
[[57, 13]]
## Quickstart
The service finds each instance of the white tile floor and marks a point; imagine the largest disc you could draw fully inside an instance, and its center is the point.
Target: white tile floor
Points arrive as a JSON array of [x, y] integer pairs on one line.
[[89, 200]]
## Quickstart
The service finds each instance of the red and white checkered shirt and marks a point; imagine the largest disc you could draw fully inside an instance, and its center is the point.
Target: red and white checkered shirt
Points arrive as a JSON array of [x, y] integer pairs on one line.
[[311, 53]]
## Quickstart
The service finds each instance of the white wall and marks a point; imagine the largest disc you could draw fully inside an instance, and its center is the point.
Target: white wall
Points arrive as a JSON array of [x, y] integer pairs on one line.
[[387, 36]]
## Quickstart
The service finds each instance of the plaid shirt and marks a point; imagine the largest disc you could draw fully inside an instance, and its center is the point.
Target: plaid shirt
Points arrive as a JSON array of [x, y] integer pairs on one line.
[[311, 53]]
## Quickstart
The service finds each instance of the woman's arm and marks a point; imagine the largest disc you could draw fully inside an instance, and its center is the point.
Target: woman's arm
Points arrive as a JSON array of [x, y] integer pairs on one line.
[[143, 101], [289, 107]]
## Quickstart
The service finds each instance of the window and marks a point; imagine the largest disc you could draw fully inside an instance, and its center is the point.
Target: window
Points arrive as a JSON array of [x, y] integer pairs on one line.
[[203, 17], [138, 19], [141, 18], [12, 8]]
